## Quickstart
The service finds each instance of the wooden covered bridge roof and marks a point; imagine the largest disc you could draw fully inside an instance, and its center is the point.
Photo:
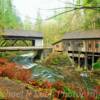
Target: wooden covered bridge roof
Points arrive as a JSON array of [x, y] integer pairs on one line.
[[10, 33]]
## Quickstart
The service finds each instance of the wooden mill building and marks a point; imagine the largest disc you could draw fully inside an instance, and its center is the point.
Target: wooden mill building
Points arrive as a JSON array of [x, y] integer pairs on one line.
[[82, 47]]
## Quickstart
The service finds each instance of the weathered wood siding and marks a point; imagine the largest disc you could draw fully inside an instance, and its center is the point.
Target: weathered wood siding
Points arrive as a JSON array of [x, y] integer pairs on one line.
[[74, 45], [92, 45], [78, 45], [38, 42]]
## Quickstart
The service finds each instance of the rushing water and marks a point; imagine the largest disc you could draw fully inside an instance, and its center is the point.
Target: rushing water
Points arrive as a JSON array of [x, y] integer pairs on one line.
[[38, 71]]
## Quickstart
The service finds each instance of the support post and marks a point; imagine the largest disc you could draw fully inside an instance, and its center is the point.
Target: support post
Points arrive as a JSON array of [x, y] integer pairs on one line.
[[86, 49], [72, 53], [92, 60], [86, 62], [79, 58]]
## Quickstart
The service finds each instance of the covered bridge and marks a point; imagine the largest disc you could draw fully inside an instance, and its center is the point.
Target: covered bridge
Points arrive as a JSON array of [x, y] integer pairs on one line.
[[12, 37]]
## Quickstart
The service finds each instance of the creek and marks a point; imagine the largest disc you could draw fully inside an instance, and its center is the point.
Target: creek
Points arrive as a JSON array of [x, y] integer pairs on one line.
[[39, 72]]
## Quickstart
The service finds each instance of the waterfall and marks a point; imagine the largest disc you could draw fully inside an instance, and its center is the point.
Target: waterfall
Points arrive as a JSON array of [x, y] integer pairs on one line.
[[26, 60]]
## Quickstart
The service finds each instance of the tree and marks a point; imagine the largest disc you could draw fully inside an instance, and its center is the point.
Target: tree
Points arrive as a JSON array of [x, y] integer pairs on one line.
[[91, 17], [38, 23], [27, 24], [75, 17], [8, 16]]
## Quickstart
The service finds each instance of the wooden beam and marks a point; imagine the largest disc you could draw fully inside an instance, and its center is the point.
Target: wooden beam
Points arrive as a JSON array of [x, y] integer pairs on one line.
[[92, 60], [86, 47], [79, 57], [22, 48], [2, 44], [14, 43], [1, 41], [24, 41]]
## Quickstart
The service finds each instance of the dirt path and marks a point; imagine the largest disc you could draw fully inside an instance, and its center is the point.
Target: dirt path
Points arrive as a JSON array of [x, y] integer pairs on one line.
[[18, 91]]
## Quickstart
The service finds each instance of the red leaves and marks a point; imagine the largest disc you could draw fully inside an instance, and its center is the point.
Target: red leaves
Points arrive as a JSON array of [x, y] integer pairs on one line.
[[1, 70], [46, 84], [3, 61], [58, 85], [59, 93], [10, 70], [34, 83], [23, 74]]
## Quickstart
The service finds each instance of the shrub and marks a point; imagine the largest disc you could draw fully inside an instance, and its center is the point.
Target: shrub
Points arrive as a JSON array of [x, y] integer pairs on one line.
[[10, 70], [96, 65], [57, 58], [3, 61], [22, 74], [17, 73], [2, 96]]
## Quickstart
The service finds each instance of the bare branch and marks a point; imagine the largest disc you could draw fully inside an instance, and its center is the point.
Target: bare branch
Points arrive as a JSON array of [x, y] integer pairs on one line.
[[76, 8]]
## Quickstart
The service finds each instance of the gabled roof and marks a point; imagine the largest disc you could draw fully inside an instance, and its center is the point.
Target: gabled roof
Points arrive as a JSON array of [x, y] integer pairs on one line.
[[90, 34], [22, 33], [85, 35]]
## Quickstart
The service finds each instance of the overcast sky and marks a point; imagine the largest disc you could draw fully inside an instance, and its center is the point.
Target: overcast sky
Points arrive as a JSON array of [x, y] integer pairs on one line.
[[30, 7]]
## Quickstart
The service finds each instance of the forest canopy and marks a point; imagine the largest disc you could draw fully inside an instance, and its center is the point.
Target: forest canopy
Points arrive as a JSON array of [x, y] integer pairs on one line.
[[79, 16], [8, 15]]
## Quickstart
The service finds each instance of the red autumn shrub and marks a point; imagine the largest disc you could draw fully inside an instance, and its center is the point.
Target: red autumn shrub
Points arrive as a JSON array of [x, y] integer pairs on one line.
[[10, 70], [34, 83], [1, 70], [46, 84], [97, 90], [22, 74], [3, 60], [59, 94], [17, 73], [58, 85], [10, 65]]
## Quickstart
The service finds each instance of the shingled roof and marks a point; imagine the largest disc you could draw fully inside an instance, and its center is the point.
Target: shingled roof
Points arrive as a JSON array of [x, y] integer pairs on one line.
[[90, 34], [85, 35], [22, 33]]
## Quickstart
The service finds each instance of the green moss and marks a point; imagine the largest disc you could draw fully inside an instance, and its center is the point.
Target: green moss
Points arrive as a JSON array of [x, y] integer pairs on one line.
[[2, 96]]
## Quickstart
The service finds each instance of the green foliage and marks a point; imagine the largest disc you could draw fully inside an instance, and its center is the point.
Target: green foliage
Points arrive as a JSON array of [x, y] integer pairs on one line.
[[70, 93], [8, 16], [96, 66], [2, 96], [57, 58], [38, 23], [77, 20]]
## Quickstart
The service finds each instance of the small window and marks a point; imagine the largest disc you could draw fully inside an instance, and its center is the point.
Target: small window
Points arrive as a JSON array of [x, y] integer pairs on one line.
[[97, 45]]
